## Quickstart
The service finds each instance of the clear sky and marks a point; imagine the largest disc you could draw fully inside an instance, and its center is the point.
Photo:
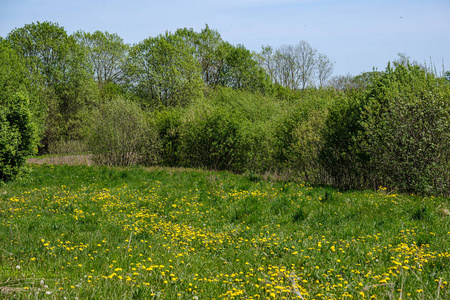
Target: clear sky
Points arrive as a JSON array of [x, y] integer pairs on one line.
[[356, 35]]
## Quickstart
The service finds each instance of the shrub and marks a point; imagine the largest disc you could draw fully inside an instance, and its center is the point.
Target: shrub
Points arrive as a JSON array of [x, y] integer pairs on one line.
[[298, 139], [395, 134], [257, 146], [211, 139], [17, 135], [340, 154], [307, 142], [122, 135], [256, 115], [168, 125], [406, 130]]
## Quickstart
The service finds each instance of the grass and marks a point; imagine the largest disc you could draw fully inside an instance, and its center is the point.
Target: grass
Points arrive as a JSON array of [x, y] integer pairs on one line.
[[105, 233]]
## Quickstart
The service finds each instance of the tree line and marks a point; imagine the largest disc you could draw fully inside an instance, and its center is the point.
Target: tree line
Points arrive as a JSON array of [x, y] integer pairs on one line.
[[192, 99]]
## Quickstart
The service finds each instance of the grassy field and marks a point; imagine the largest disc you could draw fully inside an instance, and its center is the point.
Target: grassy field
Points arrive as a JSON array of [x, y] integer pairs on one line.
[[79, 232]]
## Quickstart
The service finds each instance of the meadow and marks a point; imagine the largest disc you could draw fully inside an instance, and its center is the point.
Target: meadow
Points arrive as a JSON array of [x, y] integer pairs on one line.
[[88, 232]]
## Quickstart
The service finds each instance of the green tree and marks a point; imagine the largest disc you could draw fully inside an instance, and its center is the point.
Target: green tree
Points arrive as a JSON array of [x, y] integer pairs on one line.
[[106, 53], [242, 71], [163, 71], [224, 64], [210, 51], [59, 71], [17, 130], [266, 59]]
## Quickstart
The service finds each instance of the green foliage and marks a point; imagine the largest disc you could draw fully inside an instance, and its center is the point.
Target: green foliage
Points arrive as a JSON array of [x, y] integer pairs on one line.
[[303, 152], [106, 53], [241, 71], [60, 75], [341, 155], [163, 71], [256, 115], [168, 124], [122, 135], [223, 64], [210, 52], [17, 129], [298, 139], [14, 78], [220, 106], [17, 135], [350, 83], [406, 122], [13, 73], [211, 139], [394, 134]]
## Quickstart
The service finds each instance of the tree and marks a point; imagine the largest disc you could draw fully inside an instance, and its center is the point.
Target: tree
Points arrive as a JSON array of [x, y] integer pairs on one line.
[[224, 64], [305, 60], [17, 130], [266, 60], [241, 71], [349, 82], [341, 82], [210, 51], [163, 71], [294, 66], [286, 70], [324, 68], [106, 53], [59, 72]]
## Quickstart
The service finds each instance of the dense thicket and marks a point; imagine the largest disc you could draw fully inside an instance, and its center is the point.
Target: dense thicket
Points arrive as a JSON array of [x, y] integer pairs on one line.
[[191, 99], [395, 133]]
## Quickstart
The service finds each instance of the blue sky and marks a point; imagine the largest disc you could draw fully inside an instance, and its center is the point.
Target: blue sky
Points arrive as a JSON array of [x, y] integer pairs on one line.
[[356, 35]]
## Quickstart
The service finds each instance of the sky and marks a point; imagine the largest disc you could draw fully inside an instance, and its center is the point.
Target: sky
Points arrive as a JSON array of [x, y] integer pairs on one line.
[[357, 36]]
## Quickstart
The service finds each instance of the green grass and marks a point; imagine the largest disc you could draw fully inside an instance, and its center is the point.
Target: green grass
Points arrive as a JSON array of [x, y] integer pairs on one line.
[[104, 233]]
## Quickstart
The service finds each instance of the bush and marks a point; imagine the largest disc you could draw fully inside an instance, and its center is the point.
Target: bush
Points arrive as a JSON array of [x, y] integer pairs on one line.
[[256, 115], [406, 130], [298, 139], [17, 135], [211, 139], [122, 135], [340, 154], [395, 134], [307, 142], [168, 125]]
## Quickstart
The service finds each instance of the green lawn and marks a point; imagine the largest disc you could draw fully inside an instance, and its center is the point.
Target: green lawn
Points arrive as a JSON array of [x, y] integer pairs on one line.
[[103, 233]]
